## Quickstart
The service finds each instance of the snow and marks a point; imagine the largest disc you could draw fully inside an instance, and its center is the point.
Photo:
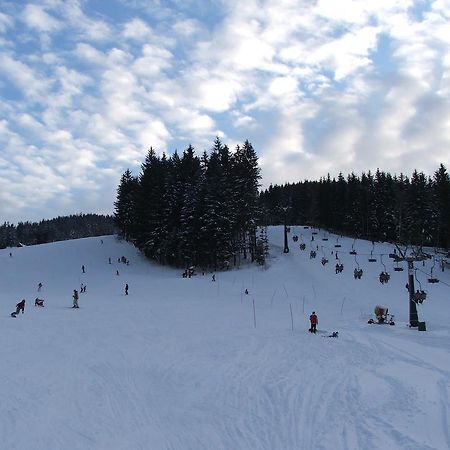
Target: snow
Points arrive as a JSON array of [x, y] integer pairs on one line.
[[179, 364]]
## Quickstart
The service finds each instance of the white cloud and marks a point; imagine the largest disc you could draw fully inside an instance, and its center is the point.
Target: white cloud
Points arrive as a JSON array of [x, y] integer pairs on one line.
[[137, 30], [32, 85], [36, 17], [6, 22]]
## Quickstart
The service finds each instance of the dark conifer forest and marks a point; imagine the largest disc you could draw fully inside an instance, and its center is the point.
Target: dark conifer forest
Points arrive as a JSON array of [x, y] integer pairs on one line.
[[378, 207], [58, 229], [187, 210]]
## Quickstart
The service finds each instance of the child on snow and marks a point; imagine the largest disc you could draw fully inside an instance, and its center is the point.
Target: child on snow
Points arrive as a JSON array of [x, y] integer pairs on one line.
[[39, 302]]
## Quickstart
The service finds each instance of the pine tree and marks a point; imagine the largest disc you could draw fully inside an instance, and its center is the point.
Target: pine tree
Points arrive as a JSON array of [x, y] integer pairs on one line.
[[150, 206], [125, 205], [441, 199]]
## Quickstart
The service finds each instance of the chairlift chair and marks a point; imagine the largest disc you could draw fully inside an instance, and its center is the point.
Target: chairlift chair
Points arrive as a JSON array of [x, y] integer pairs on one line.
[[384, 275], [420, 295], [433, 279]]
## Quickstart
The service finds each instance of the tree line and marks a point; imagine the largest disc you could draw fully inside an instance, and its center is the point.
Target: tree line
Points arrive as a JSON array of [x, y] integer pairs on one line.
[[58, 229], [193, 211], [412, 210]]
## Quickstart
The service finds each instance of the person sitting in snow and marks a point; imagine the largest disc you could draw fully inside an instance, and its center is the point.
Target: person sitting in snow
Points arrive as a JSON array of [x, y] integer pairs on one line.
[[39, 302], [19, 307], [314, 321]]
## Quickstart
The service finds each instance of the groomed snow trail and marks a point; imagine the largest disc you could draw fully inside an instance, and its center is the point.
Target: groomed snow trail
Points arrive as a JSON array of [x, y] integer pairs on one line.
[[178, 363]]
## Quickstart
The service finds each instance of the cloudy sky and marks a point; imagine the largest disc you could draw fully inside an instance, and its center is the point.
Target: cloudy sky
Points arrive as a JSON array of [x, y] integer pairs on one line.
[[87, 86]]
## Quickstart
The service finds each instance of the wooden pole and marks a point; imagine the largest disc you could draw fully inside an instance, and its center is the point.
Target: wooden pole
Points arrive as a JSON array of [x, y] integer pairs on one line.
[[292, 317], [273, 295]]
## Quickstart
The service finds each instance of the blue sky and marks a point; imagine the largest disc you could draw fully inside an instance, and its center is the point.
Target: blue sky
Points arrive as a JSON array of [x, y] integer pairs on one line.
[[87, 86]]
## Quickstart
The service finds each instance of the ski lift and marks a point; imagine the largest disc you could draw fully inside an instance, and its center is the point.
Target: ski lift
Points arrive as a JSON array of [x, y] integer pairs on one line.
[[372, 258], [398, 268], [314, 232], [358, 272], [384, 275], [353, 251], [302, 246], [295, 238], [337, 245], [324, 238], [305, 227], [420, 295], [433, 279]]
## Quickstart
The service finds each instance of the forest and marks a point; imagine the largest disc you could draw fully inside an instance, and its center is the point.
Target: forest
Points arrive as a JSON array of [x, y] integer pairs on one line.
[[193, 211], [57, 229], [375, 206]]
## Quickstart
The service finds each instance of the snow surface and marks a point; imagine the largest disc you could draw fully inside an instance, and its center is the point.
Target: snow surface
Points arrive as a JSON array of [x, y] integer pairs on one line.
[[179, 364]]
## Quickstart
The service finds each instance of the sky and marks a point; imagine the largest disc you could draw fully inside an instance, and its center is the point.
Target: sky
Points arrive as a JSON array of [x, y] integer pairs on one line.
[[318, 87]]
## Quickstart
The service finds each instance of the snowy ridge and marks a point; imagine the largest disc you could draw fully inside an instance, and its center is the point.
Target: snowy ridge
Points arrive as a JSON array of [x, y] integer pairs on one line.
[[178, 363]]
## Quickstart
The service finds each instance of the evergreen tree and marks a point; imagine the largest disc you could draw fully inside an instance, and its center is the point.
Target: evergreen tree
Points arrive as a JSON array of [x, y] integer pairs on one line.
[[441, 199], [125, 205]]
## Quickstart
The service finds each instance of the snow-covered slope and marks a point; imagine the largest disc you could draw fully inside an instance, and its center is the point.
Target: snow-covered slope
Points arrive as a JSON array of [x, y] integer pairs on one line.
[[179, 364]]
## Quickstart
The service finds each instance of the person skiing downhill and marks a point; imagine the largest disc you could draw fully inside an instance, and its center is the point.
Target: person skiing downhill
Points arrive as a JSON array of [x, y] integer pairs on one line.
[[314, 321]]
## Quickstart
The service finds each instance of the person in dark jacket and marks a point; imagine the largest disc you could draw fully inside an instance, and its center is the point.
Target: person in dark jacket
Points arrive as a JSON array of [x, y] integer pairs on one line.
[[19, 307], [314, 321], [75, 299]]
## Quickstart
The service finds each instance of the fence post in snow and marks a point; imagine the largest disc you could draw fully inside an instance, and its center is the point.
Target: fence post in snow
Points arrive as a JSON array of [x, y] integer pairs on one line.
[[292, 317], [273, 295]]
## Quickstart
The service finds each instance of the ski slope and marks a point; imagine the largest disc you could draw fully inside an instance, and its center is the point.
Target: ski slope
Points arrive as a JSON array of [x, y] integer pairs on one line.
[[178, 363]]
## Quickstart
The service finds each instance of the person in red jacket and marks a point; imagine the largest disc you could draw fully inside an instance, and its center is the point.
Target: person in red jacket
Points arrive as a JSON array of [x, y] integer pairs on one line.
[[314, 321]]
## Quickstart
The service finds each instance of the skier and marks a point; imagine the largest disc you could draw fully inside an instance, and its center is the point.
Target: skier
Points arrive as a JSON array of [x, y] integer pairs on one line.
[[214, 277], [39, 302], [19, 307], [314, 321], [82, 269], [39, 287], [126, 289], [75, 299]]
